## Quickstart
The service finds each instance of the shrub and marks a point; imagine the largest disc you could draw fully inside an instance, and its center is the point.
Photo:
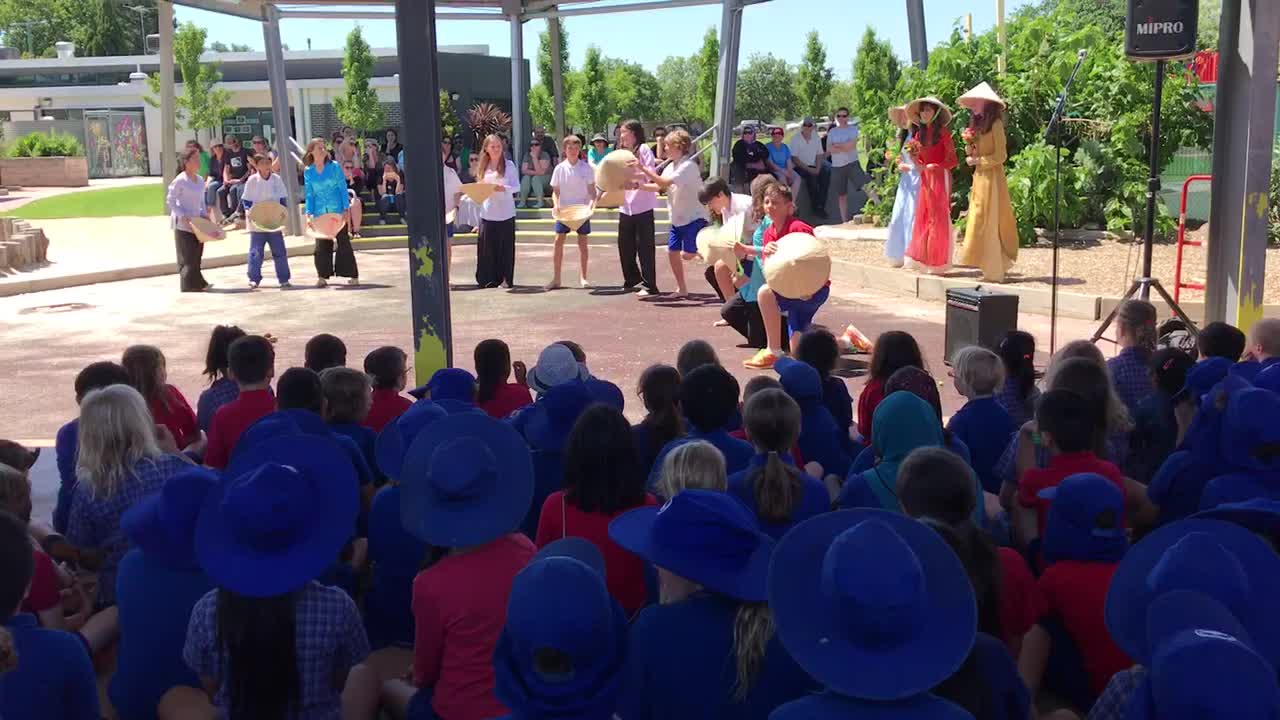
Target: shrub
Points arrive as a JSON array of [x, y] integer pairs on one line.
[[53, 144]]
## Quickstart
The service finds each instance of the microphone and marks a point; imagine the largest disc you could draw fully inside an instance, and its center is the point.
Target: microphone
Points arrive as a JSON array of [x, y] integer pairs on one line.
[[1080, 55]]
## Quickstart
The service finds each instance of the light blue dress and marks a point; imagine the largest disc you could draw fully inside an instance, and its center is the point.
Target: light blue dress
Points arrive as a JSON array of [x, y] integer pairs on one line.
[[904, 211]]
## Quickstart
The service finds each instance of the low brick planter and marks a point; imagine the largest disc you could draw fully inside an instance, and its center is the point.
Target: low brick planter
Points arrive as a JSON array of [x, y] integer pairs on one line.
[[45, 172]]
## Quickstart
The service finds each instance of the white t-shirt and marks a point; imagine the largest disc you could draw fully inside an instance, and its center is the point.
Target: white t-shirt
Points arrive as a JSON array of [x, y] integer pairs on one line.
[[838, 135], [741, 205], [452, 184], [574, 182], [805, 151], [501, 205], [682, 195]]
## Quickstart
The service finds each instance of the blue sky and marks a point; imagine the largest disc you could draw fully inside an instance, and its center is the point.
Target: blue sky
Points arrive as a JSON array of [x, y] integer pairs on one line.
[[778, 26]]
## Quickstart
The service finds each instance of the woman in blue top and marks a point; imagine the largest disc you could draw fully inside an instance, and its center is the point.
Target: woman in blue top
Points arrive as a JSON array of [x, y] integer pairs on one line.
[[326, 188], [780, 163]]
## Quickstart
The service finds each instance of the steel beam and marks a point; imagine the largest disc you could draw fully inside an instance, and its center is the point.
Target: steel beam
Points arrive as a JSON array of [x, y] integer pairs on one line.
[[277, 79], [519, 133], [919, 41], [168, 108], [726, 84]]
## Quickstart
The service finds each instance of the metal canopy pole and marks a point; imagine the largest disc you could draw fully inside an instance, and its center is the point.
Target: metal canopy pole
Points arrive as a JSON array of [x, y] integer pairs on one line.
[[424, 201], [557, 78], [518, 90], [278, 81], [727, 84], [1242, 142], [915, 26], [168, 111]]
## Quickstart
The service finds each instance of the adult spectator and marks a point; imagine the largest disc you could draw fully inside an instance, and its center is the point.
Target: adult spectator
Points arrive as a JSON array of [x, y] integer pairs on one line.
[[599, 148], [750, 157], [260, 147], [780, 162], [391, 143], [842, 144], [659, 143], [548, 145], [809, 161], [213, 196], [234, 172], [535, 175], [371, 164]]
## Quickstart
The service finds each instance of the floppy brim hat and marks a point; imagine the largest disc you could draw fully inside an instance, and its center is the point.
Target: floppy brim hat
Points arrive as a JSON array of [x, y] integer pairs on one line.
[[268, 215], [1071, 531], [605, 392], [448, 384], [598, 137], [206, 230], [898, 116], [799, 268], [1251, 429], [799, 379], [574, 216], [980, 94], [552, 418], [1199, 669], [1132, 591], [944, 112], [1201, 378], [396, 437], [467, 482], [717, 242], [478, 192], [163, 524], [281, 423], [274, 528], [556, 366], [327, 226], [872, 604], [1259, 515], [614, 170]]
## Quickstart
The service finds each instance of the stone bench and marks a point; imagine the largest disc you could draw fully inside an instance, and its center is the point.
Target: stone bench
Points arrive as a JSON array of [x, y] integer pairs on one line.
[[21, 245]]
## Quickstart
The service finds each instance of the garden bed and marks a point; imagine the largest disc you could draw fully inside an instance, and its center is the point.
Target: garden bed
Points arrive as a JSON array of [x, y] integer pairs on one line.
[[44, 171]]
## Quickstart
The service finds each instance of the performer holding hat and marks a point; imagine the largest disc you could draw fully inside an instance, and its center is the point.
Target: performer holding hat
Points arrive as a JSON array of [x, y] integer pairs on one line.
[[185, 200], [904, 203], [935, 152], [265, 225], [496, 244], [682, 181], [326, 189], [573, 189], [991, 233]]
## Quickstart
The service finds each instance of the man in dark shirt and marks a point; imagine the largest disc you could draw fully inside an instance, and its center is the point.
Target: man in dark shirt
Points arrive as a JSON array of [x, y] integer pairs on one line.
[[749, 157], [235, 172]]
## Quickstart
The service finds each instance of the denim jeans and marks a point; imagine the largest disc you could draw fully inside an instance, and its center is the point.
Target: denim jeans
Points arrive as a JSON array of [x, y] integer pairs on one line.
[[259, 240], [211, 192], [532, 183]]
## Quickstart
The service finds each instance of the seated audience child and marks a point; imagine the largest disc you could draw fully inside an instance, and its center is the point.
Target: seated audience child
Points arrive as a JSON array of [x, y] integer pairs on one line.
[[603, 478], [300, 399], [158, 584], [1069, 651], [1220, 340], [877, 609], [659, 390], [1018, 394], [495, 395], [709, 650], [1136, 336], [148, 375], [557, 365], [694, 354], [454, 389], [1251, 447], [821, 439], [1155, 432], [251, 363], [921, 384], [120, 462], [54, 676], [94, 376], [388, 369], [819, 349], [780, 206], [981, 424], [909, 423], [347, 399], [894, 350], [466, 486], [779, 493], [695, 465], [1263, 350], [270, 641], [709, 399], [17, 456], [222, 388], [561, 653], [323, 352]]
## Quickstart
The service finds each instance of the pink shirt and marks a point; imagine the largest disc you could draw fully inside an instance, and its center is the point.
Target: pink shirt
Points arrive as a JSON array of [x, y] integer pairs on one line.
[[635, 202]]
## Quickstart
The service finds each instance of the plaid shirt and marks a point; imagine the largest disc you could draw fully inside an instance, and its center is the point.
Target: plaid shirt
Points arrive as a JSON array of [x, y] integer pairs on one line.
[[1130, 376], [221, 392], [1020, 409], [95, 521], [1113, 701], [329, 638]]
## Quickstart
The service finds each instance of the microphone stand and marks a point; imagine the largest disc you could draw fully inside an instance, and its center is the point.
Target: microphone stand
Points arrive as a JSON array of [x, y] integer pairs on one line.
[[1053, 134]]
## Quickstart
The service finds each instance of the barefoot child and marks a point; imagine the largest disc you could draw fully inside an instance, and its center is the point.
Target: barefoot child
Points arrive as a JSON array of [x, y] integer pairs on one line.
[[265, 185], [682, 180], [572, 183]]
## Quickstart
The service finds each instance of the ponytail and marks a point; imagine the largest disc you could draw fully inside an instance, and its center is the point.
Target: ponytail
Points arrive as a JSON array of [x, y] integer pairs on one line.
[[752, 631], [258, 639], [772, 421], [776, 488]]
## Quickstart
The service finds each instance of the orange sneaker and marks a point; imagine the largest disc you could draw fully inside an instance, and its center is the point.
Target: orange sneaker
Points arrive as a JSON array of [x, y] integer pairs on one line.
[[763, 360], [860, 342]]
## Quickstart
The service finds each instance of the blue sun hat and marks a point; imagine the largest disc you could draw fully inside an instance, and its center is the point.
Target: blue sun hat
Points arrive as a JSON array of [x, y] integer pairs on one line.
[[1251, 430], [799, 379], [556, 365], [560, 603], [1217, 559], [1201, 378], [281, 523], [395, 439], [1085, 520], [452, 384], [1260, 515], [163, 524], [704, 536], [467, 482], [872, 604], [607, 393], [1269, 378], [548, 422]]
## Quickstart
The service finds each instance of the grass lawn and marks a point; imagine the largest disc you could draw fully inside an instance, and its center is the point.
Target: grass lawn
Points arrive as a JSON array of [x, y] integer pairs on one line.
[[141, 200]]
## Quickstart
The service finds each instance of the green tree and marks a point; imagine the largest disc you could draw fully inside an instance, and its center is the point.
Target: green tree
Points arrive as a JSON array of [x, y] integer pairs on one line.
[[542, 109], [815, 80], [97, 27], [633, 91], [107, 32], [708, 65], [448, 116], [358, 106], [221, 47], [766, 89], [591, 97], [542, 97], [1210, 20], [876, 70], [678, 86], [202, 104]]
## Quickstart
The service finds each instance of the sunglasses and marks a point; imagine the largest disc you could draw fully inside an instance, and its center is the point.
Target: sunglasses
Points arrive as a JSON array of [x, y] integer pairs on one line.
[[776, 134], [842, 117]]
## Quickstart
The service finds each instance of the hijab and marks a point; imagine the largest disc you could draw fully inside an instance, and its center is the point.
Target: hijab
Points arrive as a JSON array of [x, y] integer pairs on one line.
[[901, 423]]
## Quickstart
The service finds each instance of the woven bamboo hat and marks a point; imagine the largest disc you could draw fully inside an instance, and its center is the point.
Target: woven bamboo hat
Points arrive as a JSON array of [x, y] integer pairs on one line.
[[898, 116], [716, 242], [799, 268], [327, 226], [573, 216], [268, 215], [610, 199], [478, 192], [983, 93], [613, 172], [944, 112], [206, 230]]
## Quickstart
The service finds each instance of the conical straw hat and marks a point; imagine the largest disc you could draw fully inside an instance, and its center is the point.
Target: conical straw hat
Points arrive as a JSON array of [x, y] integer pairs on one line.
[[573, 216], [613, 172], [268, 215], [206, 230], [716, 242], [611, 199], [799, 268], [898, 116], [983, 93], [327, 226], [944, 112], [478, 192]]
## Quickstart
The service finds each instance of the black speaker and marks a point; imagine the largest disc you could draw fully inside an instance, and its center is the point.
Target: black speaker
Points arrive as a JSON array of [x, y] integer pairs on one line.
[[978, 317], [1161, 29]]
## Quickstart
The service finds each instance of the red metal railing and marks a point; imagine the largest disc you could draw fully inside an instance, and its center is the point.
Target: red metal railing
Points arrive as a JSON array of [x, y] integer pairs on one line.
[[1178, 284]]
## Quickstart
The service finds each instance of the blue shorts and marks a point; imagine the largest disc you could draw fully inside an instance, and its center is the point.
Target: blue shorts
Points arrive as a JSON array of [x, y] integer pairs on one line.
[[800, 312], [685, 237], [585, 229]]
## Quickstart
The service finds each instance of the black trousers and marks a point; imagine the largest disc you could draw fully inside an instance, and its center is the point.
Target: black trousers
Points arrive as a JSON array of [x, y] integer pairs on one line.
[[636, 241], [745, 316], [189, 251], [496, 253], [340, 261]]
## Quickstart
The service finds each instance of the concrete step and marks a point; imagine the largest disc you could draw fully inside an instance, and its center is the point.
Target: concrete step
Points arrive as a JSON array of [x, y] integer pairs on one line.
[[373, 228], [536, 237]]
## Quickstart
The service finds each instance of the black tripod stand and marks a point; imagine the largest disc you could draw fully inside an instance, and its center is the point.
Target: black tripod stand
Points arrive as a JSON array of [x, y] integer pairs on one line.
[[1143, 285]]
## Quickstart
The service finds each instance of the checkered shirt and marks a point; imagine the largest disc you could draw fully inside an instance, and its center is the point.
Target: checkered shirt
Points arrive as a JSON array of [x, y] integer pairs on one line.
[[1113, 701], [221, 392], [1010, 398], [1130, 376]]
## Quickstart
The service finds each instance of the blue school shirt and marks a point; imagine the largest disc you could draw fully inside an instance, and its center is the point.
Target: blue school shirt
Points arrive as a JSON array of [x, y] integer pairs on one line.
[[65, 453], [54, 679], [830, 706], [1154, 437], [737, 453], [365, 440], [814, 498], [681, 666], [984, 427], [395, 556], [835, 395], [1006, 696], [155, 602]]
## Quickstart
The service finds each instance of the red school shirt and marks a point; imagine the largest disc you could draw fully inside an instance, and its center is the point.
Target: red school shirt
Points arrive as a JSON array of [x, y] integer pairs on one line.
[[459, 609], [176, 414], [387, 405], [232, 420], [1021, 602], [870, 398], [624, 571], [507, 398], [1060, 467], [45, 592], [1077, 593]]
